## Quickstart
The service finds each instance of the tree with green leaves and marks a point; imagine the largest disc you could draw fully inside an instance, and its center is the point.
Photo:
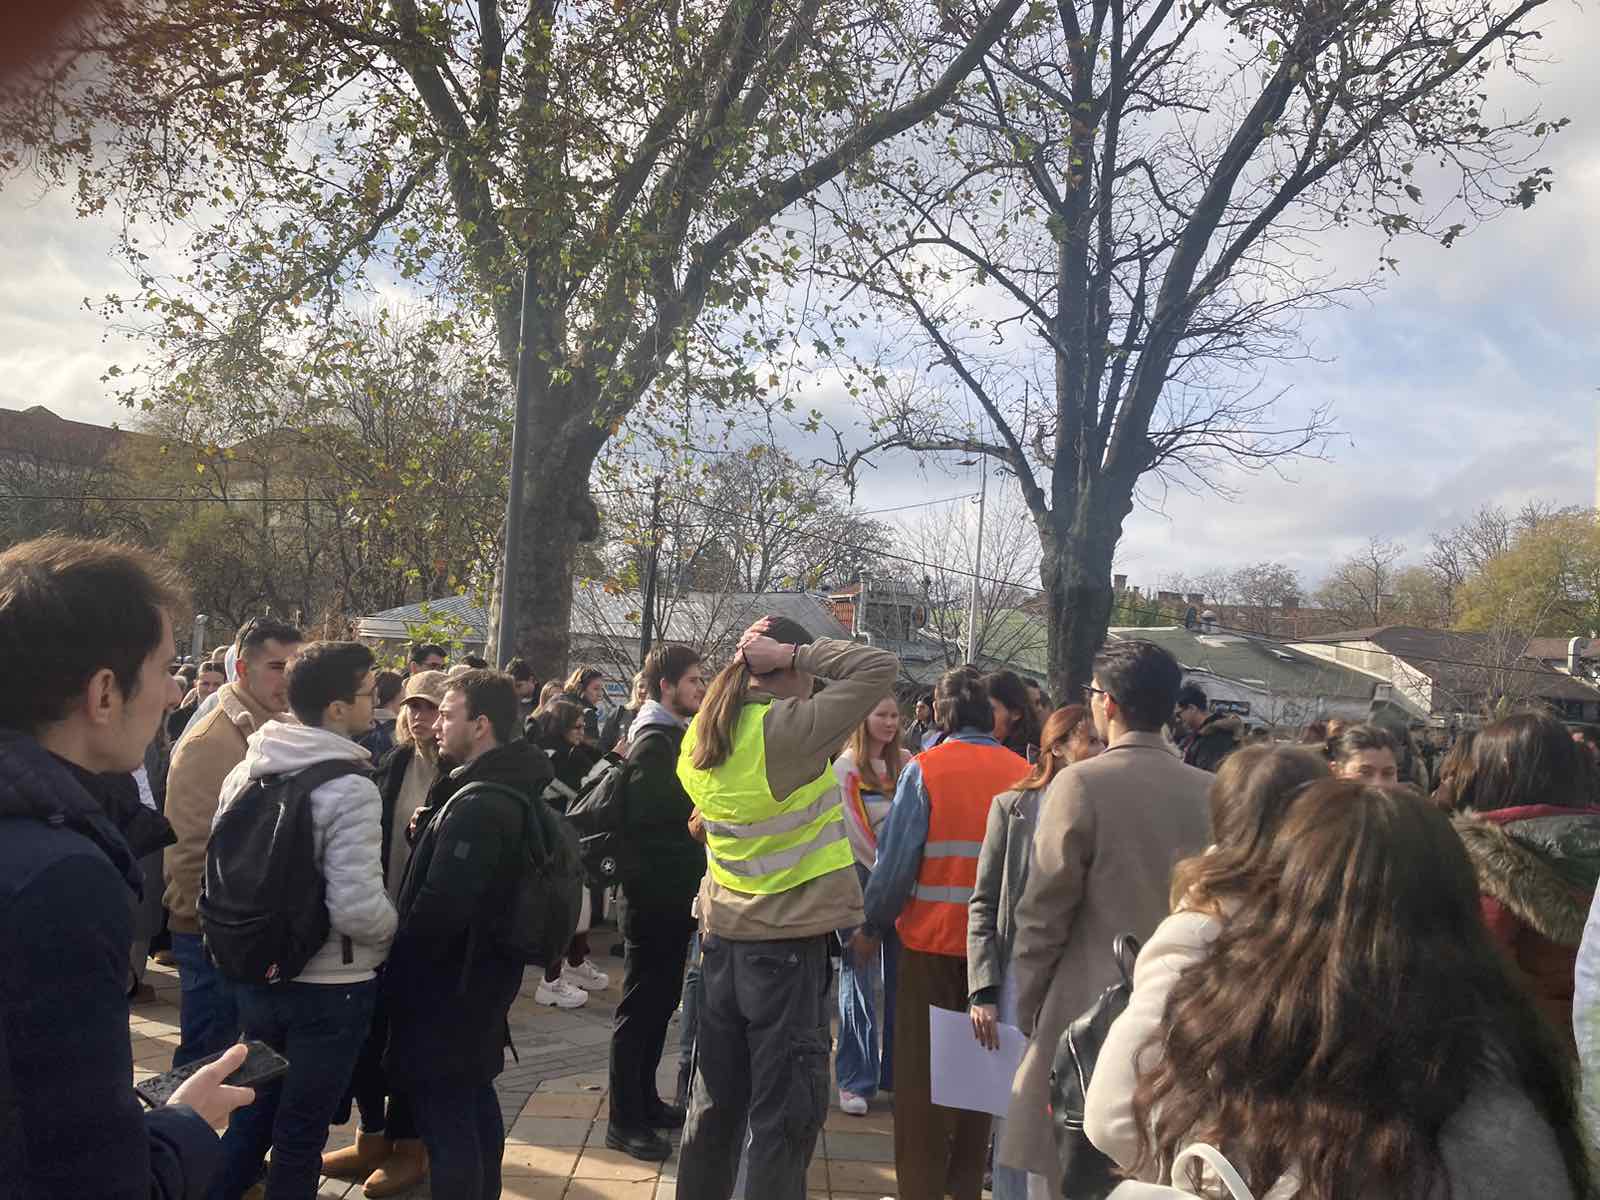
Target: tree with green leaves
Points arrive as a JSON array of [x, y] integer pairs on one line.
[[631, 157], [1089, 260], [1545, 582]]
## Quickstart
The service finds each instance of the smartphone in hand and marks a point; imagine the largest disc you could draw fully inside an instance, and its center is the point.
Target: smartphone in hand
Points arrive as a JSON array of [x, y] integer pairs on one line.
[[262, 1065]]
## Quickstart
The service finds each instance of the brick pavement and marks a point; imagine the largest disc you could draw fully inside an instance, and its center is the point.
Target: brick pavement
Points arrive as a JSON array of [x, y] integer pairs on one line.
[[554, 1104]]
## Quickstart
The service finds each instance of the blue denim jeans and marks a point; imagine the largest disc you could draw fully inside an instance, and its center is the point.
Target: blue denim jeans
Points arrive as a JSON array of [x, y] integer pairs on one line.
[[858, 1063], [319, 1028], [208, 1017], [465, 1137], [689, 1027]]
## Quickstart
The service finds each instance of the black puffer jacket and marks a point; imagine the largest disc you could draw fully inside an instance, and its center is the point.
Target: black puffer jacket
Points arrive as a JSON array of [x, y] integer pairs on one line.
[[447, 986], [70, 1125]]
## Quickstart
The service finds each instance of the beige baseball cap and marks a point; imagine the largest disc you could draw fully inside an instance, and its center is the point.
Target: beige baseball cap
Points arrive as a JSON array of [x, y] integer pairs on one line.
[[426, 685]]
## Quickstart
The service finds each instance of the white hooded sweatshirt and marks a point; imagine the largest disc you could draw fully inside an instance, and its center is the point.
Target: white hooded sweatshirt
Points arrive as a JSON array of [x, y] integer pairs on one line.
[[347, 815]]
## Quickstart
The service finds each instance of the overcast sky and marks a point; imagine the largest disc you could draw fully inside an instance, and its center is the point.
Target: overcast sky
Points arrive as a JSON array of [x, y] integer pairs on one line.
[[1472, 379]]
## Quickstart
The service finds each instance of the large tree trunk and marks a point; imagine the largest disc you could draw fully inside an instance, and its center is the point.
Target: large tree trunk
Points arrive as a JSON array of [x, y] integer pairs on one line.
[[1076, 569], [558, 516]]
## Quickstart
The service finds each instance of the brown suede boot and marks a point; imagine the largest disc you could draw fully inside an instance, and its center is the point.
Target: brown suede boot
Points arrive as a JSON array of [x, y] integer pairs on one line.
[[358, 1161], [405, 1167]]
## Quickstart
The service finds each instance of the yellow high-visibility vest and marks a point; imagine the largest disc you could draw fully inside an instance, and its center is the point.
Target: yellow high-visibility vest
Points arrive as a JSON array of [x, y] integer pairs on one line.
[[757, 843]]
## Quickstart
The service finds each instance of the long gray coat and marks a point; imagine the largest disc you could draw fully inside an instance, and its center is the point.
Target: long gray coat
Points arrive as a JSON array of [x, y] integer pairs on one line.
[[1110, 830], [1002, 872]]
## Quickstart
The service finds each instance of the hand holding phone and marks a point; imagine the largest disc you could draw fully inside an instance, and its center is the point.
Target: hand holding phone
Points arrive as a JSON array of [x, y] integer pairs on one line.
[[215, 1086], [208, 1095]]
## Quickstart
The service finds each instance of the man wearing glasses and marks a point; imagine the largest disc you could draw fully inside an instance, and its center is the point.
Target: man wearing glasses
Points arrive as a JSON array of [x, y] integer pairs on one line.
[[213, 745], [318, 1018], [1110, 829]]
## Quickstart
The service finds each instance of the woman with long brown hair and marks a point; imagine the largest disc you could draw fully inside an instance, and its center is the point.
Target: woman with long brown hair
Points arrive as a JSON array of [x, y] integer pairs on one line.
[[1068, 736], [1350, 1030], [1248, 800], [868, 769], [1532, 831]]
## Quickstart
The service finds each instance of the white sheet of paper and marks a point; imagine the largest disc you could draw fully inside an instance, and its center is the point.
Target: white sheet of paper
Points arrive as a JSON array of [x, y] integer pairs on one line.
[[965, 1074]]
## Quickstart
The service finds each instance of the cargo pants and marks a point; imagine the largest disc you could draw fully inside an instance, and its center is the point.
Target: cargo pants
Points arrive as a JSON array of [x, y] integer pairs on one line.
[[762, 1055]]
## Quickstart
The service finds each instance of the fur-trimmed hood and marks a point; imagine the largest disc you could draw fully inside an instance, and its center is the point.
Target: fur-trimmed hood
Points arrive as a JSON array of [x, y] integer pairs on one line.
[[1222, 725], [1543, 866]]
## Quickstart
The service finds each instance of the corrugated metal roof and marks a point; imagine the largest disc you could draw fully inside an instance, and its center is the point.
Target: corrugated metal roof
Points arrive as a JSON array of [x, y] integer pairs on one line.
[[1257, 661]]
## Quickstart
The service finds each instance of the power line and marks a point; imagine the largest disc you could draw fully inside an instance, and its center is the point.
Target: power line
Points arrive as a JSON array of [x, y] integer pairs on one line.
[[872, 512]]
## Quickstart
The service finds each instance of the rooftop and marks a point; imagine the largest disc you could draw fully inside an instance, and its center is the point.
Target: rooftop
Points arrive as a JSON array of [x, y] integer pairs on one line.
[[1257, 661], [1466, 661]]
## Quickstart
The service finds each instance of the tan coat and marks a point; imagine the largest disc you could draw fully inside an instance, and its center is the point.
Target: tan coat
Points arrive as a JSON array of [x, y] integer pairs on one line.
[[201, 762], [1109, 832]]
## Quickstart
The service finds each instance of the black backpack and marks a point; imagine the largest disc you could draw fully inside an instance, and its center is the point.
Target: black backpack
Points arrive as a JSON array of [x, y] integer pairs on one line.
[[263, 905], [599, 814], [1087, 1174], [548, 898]]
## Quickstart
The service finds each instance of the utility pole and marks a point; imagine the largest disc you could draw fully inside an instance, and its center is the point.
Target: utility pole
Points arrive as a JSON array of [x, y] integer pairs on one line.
[[647, 619], [504, 634], [977, 561]]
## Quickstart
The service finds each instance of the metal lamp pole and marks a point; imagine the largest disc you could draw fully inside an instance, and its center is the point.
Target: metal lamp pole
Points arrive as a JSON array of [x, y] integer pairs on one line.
[[977, 561]]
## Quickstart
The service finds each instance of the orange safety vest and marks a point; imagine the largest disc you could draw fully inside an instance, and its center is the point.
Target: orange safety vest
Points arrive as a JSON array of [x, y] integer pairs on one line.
[[962, 779]]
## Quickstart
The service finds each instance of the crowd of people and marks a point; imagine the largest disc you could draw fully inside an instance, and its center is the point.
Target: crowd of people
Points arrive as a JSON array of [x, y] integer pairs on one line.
[[1365, 970]]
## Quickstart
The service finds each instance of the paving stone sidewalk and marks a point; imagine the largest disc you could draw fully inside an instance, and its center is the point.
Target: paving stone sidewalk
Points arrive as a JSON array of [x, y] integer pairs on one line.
[[555, 1106]]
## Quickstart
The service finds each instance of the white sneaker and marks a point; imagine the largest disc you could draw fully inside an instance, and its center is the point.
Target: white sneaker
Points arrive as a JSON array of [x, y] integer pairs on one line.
[[852, 1105], [586, 976], [560, 994]]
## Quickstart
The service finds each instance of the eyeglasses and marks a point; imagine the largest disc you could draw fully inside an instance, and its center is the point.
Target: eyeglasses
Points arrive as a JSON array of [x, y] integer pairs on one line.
[[363, 695], [1090, 691]]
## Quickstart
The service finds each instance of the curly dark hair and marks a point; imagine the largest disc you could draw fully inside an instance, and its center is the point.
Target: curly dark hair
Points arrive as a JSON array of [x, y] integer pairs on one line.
[[1351, 1004]]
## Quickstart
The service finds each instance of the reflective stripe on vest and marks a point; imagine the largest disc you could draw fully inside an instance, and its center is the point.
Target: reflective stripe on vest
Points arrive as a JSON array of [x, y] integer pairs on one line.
[[755, 843], [942, 895], [962, 779]]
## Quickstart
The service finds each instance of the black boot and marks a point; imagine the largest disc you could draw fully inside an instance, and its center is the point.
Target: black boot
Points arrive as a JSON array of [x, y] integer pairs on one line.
[[647, 1145], [667, 1116]]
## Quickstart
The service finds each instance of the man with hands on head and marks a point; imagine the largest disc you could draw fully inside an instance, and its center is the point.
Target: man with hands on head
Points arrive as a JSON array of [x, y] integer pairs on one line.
[[756, 762]]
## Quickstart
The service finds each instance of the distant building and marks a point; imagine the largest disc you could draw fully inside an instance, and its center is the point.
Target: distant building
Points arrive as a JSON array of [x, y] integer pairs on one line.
[[1288, 621], [1259, 679], [1445, 676]]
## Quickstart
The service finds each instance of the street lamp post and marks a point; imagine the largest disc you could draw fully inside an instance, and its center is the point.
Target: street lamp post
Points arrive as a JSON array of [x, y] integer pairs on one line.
[[977, 559]]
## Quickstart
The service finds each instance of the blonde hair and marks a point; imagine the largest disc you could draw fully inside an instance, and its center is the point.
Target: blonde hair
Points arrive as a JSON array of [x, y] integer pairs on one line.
[[893, 756], [427, 747]]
